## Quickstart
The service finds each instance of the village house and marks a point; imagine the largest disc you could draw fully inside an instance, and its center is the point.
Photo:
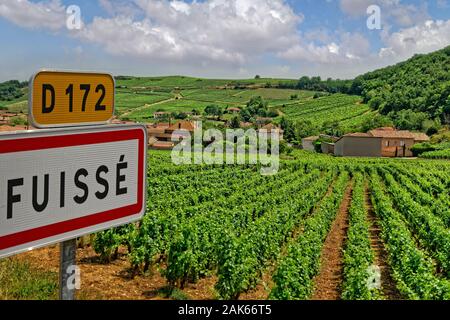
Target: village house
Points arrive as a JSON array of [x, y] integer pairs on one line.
[[327, 147], [160, 134], [381, 142], [233, 110], [308, 143], [272, 128], [262, 121], [245, 125], [160, 114]]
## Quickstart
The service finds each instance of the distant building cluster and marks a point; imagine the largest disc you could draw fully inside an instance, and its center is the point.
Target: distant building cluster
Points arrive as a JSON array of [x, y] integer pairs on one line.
[[380, 142], [160, 134]]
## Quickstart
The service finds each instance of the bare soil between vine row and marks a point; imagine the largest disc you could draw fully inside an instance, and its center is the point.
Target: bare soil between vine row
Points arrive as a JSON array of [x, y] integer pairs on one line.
[[113, 281], [388, 287], [327, 284]]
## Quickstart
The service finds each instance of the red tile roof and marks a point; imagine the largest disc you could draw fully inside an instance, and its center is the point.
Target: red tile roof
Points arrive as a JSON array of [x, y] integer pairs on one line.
[[271, 126], [403, 134], [359, 134], [155, 130], [390, 133], [163, 145], [182, 125], [419, 136]]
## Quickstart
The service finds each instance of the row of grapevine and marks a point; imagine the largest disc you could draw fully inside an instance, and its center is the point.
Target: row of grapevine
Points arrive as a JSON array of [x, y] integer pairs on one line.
[[430, 229], [412, 269], [294, 276], [230, 222], [245, 257], [358, 255], [439, 205], [438, 154]]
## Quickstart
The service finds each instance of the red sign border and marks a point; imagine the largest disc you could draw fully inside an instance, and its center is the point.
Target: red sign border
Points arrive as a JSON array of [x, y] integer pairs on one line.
[[71, 140]]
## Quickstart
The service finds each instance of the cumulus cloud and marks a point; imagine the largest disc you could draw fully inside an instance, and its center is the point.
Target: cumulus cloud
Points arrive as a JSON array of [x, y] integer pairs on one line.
[[214, 30], [236, 35], [423, 38], [348, 48], [34, 15]]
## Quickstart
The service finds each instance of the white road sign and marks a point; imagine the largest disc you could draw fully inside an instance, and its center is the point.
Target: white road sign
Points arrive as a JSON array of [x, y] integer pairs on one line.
[[60, 184]]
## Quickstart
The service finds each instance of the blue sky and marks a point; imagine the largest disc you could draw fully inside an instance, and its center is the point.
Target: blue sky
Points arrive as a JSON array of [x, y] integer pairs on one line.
[[218, 38]]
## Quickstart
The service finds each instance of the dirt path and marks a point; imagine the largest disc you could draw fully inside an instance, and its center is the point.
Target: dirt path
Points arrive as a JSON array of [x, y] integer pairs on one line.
[[239, 93], [388, 287], [146, 106], [328, 281]]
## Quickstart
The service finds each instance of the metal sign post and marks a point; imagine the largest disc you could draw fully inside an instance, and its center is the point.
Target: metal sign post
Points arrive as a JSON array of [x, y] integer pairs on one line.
[[67, 285]]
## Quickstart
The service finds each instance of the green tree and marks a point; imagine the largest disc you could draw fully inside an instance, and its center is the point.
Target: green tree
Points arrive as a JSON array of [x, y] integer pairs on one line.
[[257, 106], [376, 121], [408, 119], [304, 128], [214, 110], [332, 127], [289, 130], [235, 123]]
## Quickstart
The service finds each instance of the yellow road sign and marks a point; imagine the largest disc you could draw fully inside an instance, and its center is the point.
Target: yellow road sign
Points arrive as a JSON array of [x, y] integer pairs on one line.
[[60, 99]]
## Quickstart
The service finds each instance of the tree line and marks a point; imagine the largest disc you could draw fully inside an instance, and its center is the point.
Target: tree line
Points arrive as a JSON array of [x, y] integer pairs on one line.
[[12, 89]]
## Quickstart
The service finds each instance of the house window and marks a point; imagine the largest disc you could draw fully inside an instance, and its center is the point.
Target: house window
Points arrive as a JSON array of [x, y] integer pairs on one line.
[[387, 143], [402, 143]]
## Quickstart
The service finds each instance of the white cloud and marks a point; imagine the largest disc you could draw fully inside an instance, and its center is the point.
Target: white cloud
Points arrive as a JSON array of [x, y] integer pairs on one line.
[[232, 37], [346, 48], [424, 38], [35, 15], [216, 30]]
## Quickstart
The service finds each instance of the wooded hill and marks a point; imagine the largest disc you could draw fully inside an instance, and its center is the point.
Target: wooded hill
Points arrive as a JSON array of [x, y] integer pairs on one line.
[[421, 83]]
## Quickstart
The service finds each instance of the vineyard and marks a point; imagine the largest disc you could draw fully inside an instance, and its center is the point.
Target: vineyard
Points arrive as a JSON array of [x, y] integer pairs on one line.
[[248, 233], [341, 108], [139, 98]]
